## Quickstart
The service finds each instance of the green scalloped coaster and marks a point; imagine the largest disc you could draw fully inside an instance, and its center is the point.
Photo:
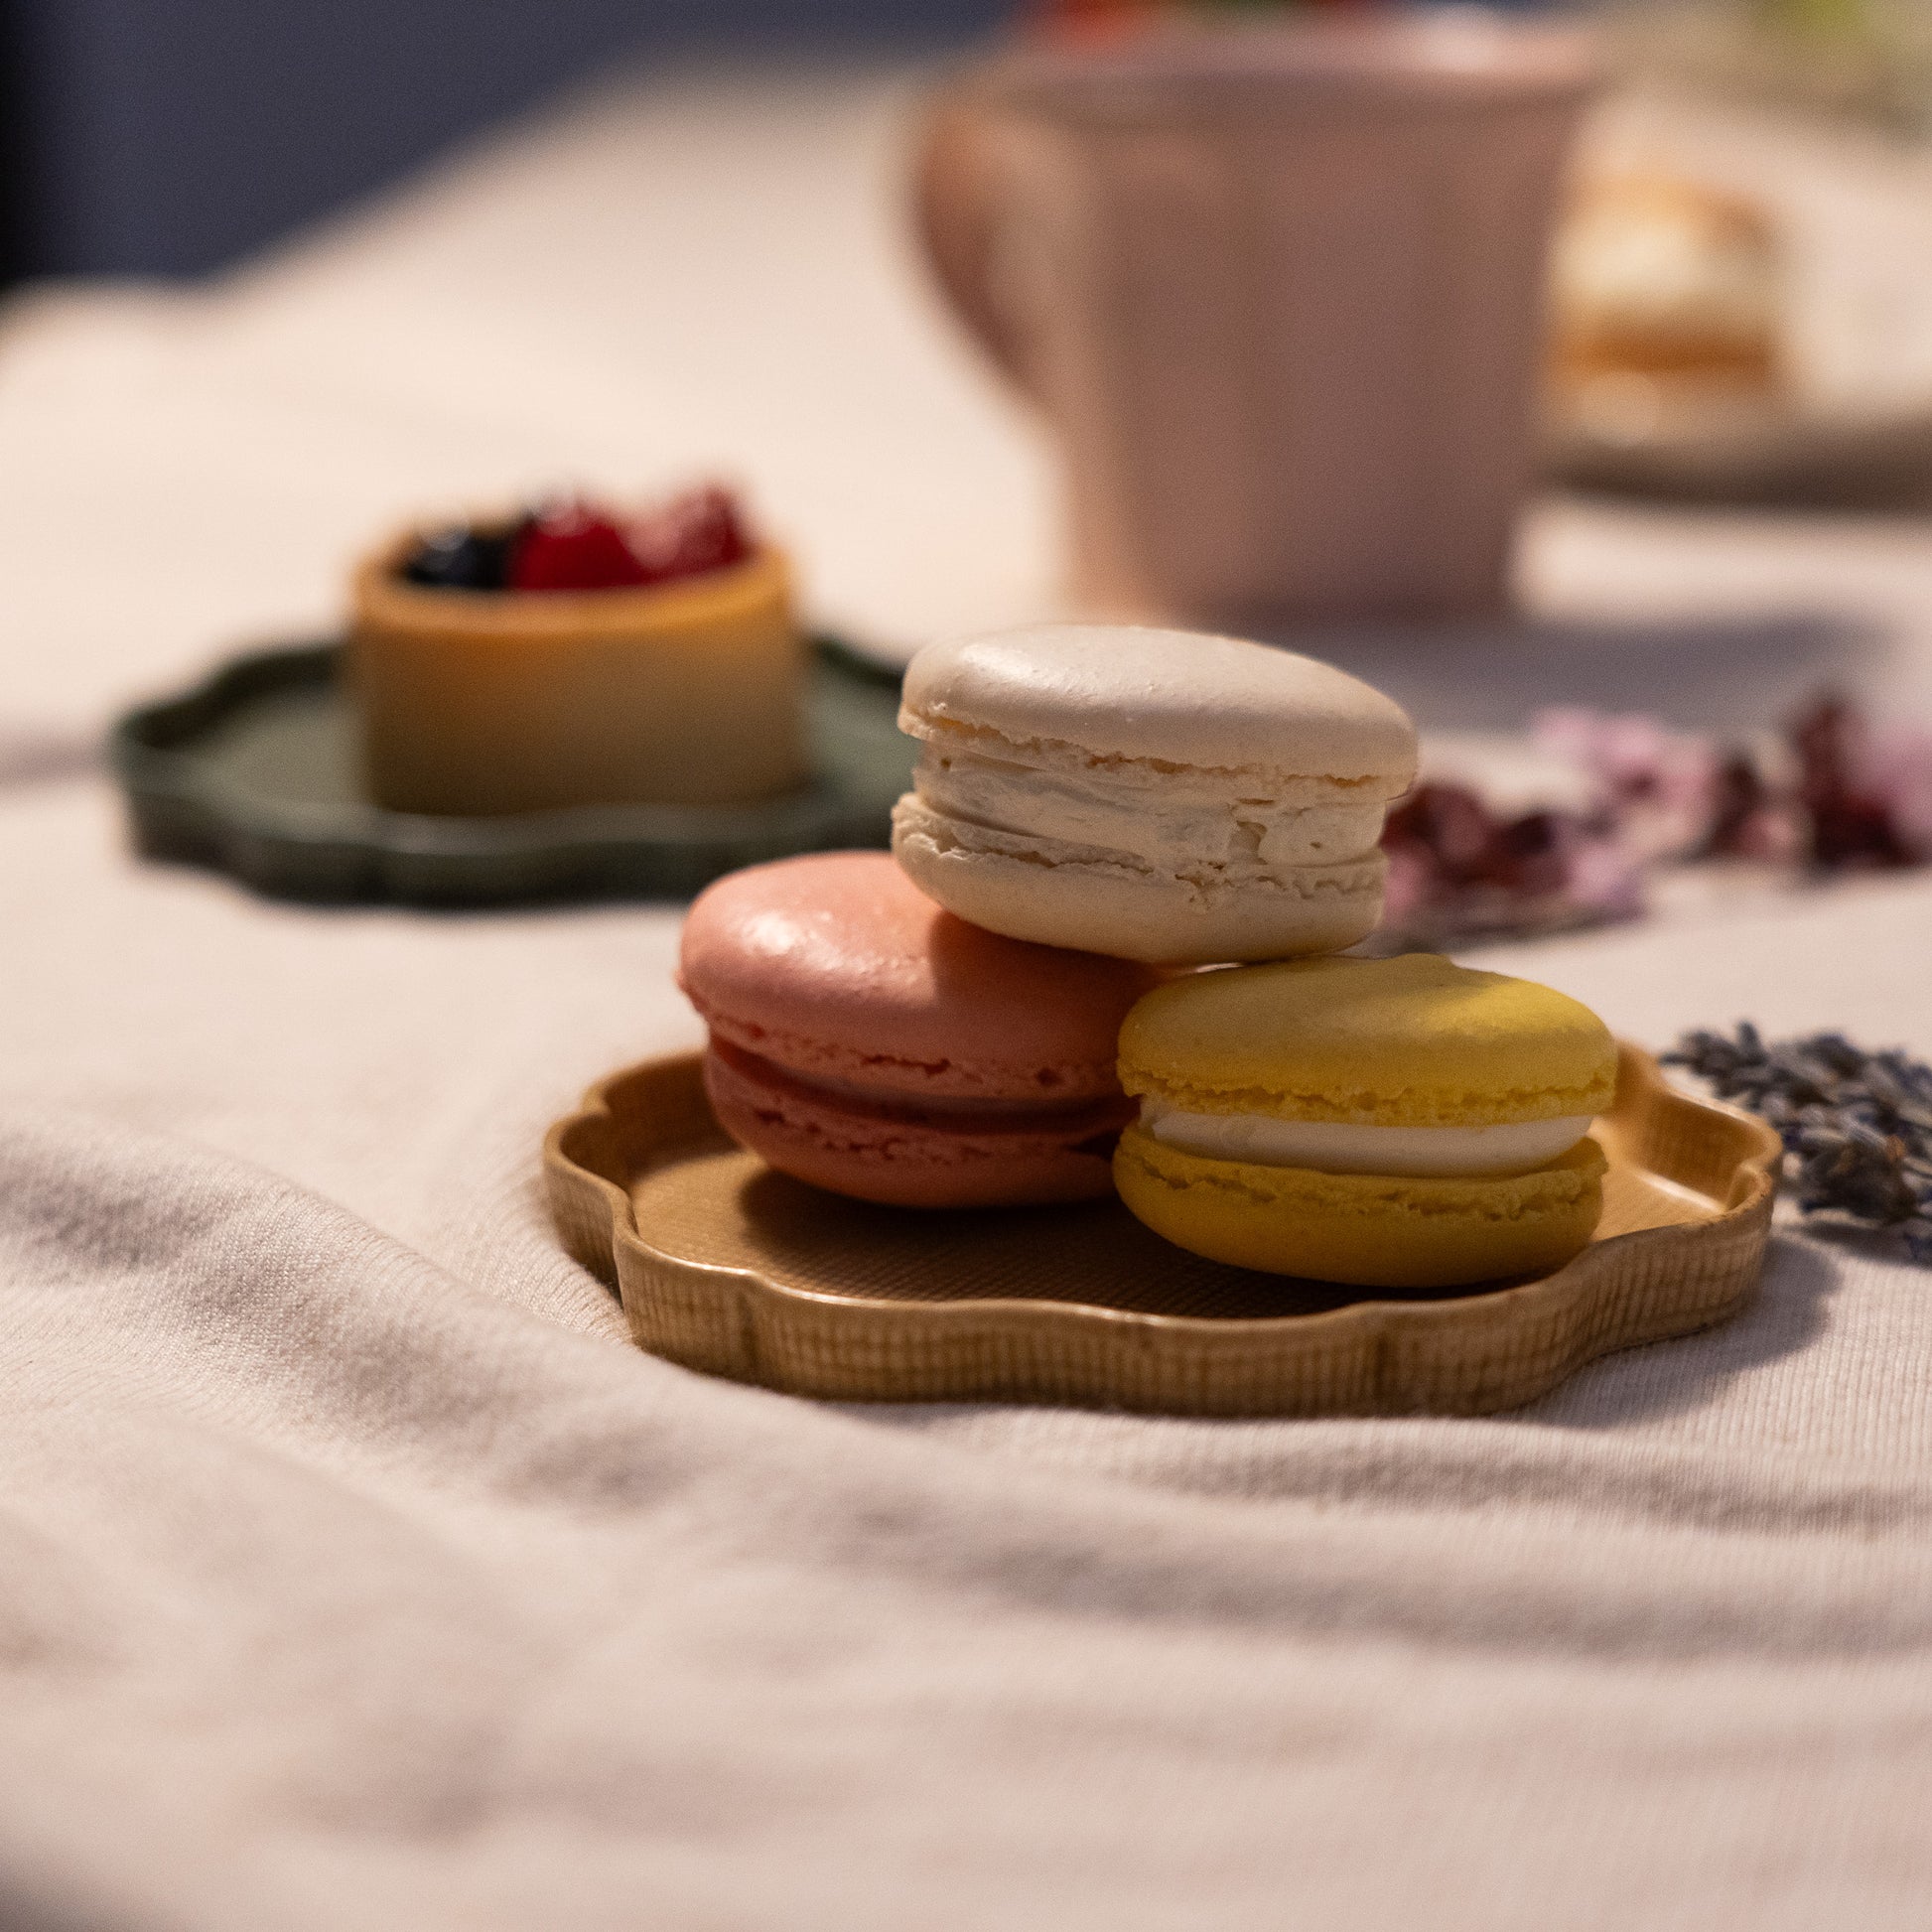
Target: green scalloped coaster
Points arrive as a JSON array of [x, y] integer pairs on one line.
[[253, 772]]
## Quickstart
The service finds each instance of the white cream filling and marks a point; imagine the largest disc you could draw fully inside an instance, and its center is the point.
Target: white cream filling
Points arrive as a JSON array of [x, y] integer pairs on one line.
[[1344, 1147], [1177, 821]]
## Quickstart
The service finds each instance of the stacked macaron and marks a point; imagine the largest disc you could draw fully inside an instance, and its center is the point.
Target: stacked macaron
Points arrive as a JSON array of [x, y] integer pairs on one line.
[[1150, 794], [1095, 809], [1399, 1123], [866, 1041]]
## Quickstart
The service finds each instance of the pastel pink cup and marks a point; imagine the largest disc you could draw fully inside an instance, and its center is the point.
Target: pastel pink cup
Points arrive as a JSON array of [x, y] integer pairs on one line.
[[1276, 290]]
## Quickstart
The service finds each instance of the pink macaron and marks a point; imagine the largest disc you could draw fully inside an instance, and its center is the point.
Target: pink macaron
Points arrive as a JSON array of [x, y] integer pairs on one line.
[[866, 1041]]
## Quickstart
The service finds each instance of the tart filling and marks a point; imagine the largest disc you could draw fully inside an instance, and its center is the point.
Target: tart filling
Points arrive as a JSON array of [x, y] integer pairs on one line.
[[574, 545]]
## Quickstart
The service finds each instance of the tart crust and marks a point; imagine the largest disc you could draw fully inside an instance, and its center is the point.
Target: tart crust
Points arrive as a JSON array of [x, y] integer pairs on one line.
[[484, 703]]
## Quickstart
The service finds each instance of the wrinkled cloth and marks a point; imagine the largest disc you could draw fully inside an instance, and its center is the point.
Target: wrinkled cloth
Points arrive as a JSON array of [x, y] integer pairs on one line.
[[356, 1571], [359, 1572]]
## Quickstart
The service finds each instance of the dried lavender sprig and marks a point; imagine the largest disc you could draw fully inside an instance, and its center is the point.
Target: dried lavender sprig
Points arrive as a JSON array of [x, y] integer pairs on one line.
[[1857, 1124]]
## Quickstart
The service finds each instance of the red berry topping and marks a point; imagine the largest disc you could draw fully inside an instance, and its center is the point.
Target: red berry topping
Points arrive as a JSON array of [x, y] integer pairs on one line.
[[699, 531], [573, 547]]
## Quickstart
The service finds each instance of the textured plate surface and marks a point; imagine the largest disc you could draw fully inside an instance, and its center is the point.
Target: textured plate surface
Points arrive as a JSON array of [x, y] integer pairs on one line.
[[725, 1265], [254, 772]]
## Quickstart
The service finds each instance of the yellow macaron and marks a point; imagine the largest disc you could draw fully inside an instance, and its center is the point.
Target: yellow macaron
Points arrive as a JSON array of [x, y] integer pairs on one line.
[[1392, 1123]]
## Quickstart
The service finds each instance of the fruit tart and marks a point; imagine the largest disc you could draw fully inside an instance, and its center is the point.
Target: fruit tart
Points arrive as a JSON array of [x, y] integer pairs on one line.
[[575, 655]]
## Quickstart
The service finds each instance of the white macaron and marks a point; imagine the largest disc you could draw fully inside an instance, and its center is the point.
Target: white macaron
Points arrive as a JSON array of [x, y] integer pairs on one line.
[[1154, 794]]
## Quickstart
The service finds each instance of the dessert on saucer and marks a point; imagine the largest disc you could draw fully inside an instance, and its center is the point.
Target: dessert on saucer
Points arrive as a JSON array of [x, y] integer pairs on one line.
[[575, 656]]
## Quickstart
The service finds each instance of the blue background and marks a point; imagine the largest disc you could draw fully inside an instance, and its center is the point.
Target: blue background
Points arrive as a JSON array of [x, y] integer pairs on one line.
[[171, 136]]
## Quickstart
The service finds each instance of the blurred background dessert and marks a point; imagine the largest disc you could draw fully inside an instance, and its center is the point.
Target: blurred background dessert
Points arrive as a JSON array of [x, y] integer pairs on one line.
[[1664, 280], [573, 656]]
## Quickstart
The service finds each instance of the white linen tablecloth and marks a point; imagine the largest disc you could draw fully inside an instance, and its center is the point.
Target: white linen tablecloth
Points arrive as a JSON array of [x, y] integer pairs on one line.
[[357, 1572]]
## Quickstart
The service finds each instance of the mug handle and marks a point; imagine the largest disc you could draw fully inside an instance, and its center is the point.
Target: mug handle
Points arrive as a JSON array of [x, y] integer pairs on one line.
[[958, 192]]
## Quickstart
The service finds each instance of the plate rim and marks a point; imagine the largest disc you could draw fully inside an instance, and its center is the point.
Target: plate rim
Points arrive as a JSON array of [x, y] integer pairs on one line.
[[182, 809]]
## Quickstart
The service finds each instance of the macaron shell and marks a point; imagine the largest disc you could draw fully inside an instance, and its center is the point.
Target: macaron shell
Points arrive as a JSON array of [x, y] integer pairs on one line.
[[1182, 697], [904, 1162], [1009, 884], [1409, 1042], [835, 965], [1365, 1230]]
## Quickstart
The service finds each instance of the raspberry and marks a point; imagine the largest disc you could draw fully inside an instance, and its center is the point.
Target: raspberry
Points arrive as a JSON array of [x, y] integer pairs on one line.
[[697, 533], [574, 547]]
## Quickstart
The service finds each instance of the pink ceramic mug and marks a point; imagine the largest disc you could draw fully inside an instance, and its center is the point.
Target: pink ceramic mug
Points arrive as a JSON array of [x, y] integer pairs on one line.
[[1279, 292]]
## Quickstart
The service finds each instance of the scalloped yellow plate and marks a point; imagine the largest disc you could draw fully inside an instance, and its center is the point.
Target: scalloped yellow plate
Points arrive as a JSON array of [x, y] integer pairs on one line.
[[727, 1267]]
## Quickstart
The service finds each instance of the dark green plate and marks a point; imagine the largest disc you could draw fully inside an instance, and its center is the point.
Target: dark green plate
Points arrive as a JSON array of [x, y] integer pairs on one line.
[[253, 772]]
